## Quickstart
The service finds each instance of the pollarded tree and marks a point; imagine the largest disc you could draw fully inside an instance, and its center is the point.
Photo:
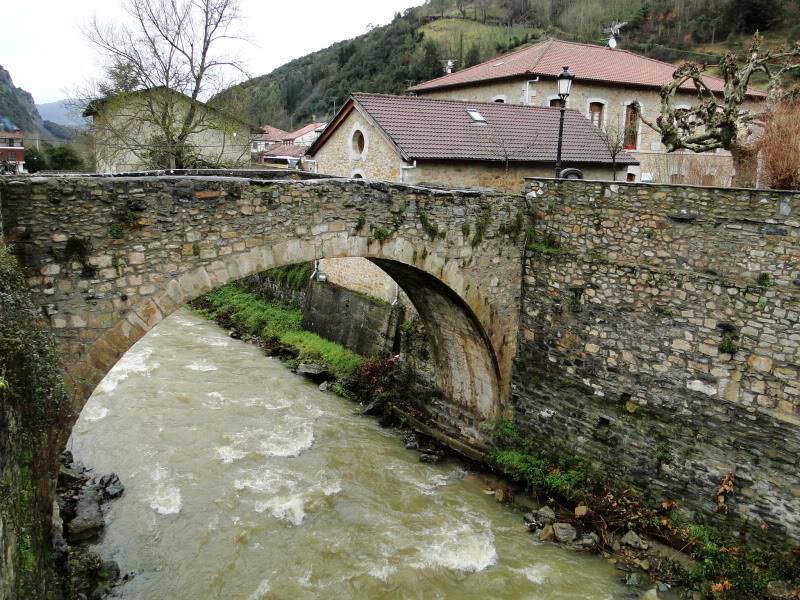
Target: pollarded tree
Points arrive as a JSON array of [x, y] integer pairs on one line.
[[721, 120]]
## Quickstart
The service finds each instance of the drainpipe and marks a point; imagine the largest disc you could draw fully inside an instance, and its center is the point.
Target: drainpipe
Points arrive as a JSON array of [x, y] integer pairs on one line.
[[396, 294], [316, 268], [528, 90], [404, 169]]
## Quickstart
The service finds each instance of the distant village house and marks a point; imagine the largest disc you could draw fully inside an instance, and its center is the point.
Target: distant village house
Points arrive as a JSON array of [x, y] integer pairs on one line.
[[126, 137], [459, 144], [268, 137], [12, 151]]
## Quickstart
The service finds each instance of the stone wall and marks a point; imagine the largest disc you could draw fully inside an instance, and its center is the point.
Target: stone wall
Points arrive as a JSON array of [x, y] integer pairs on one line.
[[504, 178], [355, 321], [660, 340]]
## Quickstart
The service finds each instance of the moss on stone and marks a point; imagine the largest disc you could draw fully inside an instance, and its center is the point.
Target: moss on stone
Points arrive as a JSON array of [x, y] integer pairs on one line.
[[33, 413]]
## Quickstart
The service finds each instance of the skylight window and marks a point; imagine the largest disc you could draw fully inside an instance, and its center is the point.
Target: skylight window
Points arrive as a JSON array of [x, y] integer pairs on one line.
[[476, 116], [497, 64]]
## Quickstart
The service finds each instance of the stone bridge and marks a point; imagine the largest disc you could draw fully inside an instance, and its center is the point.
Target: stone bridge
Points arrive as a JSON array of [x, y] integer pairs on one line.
[[651, 330], [108, 258]]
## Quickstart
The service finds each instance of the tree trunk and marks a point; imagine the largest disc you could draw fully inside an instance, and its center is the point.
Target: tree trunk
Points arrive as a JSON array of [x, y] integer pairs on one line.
[[745, 165]]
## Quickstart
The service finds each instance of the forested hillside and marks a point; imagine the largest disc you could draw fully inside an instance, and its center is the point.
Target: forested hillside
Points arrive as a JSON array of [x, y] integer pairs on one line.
[[417, 45]]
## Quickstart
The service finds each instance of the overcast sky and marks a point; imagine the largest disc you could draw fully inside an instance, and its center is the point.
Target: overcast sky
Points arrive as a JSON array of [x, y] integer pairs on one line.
[[43, 49]]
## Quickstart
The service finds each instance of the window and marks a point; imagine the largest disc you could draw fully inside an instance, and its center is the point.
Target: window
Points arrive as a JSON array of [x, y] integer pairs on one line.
[[555, 102], [676, 178], [631, 141], [358, 142], [476, 116], [708, 179], [358, 176], [500, 100], [596, 113], [630, 177]]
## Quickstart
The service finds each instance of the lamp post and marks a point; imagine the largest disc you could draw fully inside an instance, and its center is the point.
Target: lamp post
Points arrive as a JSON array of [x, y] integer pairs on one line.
[[564, 84]]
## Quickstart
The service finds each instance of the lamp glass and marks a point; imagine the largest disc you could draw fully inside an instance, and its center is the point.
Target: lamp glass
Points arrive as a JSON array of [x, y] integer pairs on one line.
[[565, 82]]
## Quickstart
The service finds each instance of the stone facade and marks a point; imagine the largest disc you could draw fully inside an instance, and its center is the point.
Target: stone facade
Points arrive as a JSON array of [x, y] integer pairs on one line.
[[700, 169], [661, 340], [108, 258], [379, 161], [123, 135], [363, 276], [505, 178]]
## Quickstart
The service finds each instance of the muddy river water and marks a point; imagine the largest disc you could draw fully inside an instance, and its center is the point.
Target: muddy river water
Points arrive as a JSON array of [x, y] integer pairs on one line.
[[244, 481]]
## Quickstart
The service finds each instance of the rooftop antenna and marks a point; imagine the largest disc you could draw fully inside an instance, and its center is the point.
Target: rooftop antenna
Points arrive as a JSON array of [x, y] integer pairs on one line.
[[613, 33]]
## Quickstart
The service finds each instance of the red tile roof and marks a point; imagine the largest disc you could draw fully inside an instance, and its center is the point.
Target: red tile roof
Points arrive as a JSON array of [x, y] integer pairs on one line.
[[303, 130], [428, 129], [588, 62], [268, 132], [287, 150]]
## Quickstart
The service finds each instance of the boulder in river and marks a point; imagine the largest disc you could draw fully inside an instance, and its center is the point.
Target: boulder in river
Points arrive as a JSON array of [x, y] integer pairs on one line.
[[313, 371], [374, 408], [546, 534], [112, 486], [564, 532], [88, 521], [545, 515], [632, 539]]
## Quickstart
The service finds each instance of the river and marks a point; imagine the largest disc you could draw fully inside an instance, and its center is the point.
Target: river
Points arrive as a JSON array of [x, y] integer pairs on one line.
[[244, 481]]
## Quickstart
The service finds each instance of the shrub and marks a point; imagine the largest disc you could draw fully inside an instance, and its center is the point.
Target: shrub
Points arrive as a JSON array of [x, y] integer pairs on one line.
[[780, 148], [294, 276], [64, 157]]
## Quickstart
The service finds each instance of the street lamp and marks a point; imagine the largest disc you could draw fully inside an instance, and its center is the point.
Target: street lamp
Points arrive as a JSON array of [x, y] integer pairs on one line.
[[564, 84]]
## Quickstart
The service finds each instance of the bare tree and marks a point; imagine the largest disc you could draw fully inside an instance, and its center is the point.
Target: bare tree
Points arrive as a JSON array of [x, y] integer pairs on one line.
[[613, 137], [483, 5], [159, 68], [720, 119], [462, 8]]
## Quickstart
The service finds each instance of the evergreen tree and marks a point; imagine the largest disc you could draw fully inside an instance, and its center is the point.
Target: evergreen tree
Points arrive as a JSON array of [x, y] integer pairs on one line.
[[35, 160], [756, 15], [473, 56], [429, 64]]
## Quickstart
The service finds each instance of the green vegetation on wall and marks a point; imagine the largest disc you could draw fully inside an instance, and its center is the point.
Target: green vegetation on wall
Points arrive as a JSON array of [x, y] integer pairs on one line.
[[33, 407], [278, 323]]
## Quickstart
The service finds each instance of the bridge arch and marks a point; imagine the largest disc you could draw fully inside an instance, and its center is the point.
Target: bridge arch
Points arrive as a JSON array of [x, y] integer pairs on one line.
[[152, 244]]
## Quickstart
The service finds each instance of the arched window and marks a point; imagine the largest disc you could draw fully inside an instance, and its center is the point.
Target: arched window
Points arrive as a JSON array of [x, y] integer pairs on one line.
[[358, 176], [596, 113], [631, 141], [499, 99]]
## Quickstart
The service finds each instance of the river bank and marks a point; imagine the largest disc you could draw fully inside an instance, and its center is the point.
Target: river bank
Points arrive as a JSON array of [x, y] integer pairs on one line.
[[593, 515]]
